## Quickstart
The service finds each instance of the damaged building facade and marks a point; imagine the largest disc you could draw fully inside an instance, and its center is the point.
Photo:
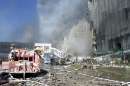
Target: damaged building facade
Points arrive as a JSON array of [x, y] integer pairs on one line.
[[110, 20]]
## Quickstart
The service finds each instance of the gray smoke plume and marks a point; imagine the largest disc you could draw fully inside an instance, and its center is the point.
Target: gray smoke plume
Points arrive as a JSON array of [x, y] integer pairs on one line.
[[79, 40], [58, 16]]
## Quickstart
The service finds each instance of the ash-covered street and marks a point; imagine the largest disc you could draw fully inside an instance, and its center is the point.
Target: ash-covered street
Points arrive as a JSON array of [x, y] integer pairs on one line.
[[68, 76]]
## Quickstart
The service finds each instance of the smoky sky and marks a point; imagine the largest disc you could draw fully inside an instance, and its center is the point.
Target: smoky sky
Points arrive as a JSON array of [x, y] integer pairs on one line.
[[57, 17], [40, 20]]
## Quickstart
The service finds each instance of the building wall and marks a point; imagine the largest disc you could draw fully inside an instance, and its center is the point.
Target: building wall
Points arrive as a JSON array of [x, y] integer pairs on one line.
[[111, 20]]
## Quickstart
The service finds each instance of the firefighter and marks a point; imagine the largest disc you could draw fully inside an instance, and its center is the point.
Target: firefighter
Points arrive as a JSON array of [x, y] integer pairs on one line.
[[12, 52]]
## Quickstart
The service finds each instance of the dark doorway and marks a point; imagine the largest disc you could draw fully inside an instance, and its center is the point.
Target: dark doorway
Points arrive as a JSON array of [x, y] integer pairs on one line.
[[118, 44]]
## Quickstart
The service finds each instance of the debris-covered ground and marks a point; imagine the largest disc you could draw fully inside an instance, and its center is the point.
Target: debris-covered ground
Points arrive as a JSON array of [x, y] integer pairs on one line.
[[75, 75]]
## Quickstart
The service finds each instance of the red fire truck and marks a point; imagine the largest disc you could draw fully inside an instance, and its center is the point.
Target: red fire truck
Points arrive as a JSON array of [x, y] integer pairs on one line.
[[23, 61]]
